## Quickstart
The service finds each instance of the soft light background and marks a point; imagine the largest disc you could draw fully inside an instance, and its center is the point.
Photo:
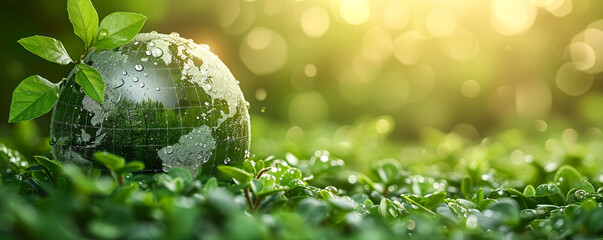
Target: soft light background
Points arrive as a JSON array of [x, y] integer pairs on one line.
[[320, 70]]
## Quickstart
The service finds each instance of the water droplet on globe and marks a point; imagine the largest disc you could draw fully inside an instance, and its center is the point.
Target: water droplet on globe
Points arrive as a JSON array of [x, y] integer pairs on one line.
[[135, 79], [153, 32], [52, 141], [175, 34], [169, 149], [141, 85], [116, 98], [227, 160], [146, 74], [118, 83], [152, 44], [136, 43], [247, 105], [139, 67], [157, 89], [124, 73], [148, 53], [157, 52], [102, 34]]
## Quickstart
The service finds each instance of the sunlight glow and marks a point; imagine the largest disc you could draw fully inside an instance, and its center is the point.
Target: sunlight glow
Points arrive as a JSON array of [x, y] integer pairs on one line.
[[355, 12]]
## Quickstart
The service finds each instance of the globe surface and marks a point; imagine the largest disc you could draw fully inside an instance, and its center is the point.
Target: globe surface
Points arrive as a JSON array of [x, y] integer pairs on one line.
[[168, 103]]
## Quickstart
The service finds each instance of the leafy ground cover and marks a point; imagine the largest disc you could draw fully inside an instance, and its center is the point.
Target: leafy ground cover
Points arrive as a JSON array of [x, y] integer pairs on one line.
[[508, 186]]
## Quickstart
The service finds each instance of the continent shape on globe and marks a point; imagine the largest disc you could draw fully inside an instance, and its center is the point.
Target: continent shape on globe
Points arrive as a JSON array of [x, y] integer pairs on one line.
[[168, 103]]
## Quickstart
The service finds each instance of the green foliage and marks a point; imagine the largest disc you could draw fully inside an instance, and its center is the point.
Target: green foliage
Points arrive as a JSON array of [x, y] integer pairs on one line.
[[292, 197], [35, 96], [32, 98]]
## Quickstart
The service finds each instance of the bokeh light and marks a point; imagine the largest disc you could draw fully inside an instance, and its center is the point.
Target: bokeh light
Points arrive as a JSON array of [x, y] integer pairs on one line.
[[469, 66]]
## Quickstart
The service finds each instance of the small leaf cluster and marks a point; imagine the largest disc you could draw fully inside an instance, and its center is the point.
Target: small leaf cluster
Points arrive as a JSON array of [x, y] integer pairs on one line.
[[35, 96]]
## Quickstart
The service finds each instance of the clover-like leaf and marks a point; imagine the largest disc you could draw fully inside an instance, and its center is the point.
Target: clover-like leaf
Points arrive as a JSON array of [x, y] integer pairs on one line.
[[84, 19], [117, 29], [91, 81], [181, 173], [34, 97], [111, 161], [46, 47], [131, 167], [236, 173], [567, 178]]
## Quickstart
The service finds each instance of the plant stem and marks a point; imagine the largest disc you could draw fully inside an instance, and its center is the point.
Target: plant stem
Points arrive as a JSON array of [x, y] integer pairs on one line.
[[83, 56], [262, 172], [120, 179], [251, 206]]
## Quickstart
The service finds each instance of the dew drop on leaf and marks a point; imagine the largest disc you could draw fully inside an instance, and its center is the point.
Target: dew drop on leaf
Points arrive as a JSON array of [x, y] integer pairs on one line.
[[102, 34]]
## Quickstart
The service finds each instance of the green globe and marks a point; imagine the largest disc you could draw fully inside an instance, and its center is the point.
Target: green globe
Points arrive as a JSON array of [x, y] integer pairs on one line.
[[168, 103]]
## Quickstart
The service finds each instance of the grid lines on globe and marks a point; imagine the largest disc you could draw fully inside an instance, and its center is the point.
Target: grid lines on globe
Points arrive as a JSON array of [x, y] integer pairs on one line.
[[154, 111]]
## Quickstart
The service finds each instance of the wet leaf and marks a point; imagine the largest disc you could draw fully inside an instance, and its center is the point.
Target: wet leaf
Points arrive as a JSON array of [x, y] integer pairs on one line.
[[33, 97], [48, 48], [117, 29]]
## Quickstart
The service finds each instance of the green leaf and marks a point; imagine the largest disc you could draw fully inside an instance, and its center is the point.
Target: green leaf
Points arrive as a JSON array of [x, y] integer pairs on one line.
[[212, 183], [507, 210], [34, 97], [122, 195], [176, 172], [117, 29], [479, 196], [312, 210], [84, 19], [46, 47], [52, 165], [567, 178], [432, 200], [326, 194], [131, 167], [550, 192], [387, 209], [236, 173], [529, 191], [365, 180], [256, 186], [91, 81], [344, 203], [111, 161], [467, 186]]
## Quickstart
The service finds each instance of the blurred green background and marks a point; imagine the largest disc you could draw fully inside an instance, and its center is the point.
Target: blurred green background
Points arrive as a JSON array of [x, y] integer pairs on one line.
[[316, 72]]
